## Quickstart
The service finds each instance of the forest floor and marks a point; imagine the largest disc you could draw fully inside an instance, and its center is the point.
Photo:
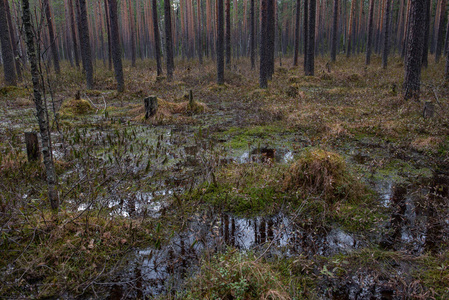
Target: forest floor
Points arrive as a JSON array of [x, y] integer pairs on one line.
[[321, 187]]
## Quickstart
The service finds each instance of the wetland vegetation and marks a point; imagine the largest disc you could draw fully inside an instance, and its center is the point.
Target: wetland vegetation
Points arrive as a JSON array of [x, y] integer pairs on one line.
[[328, 186]]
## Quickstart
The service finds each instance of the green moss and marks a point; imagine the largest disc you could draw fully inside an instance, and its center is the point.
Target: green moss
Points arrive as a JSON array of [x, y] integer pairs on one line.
[[242, 137], [75, 107]]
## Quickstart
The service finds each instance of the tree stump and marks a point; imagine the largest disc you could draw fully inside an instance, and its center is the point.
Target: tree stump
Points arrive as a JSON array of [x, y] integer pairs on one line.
[[150, 106], [429, 110], [32, 145], [191, 101]]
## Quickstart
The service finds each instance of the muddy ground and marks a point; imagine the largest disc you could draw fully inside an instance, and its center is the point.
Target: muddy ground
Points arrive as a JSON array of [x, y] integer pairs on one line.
[[153, 207]]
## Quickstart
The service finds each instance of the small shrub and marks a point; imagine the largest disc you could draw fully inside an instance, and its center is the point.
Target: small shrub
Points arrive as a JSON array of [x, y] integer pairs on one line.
[[75, 107], [233, 275]]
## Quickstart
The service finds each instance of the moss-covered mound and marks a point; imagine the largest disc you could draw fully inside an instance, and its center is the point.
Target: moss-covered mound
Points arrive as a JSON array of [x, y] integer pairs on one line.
[[323, 173], [75, 107]]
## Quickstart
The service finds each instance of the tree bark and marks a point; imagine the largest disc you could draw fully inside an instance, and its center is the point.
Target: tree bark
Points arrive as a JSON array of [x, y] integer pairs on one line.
[[263, 70], [157, 38], [253, 37], [369, 41], [7, 53], [440, 34], [83, 32], [52, 181], [228, 32], [116, 46], [51, 34], [425, 56], [310, 66], [220, 42], [297, 29], [168, 40], [73, 32], [132, 33], [414, 50], [13, 42], [386, 34], [200, 32], [306, 31], [334, 32]]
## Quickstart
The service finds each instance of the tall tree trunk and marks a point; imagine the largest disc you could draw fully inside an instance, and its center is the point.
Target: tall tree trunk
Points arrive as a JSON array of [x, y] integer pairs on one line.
[[228, 32], [263, 70], [334, 32], [386, 34], [132, 32], [73, 32], [83, 32], [271, 23], [414, 50], [168, 40], [7, 53], [116, 46], [369, 41], [306, 31], [425, 56], [200, 31], [157, 38], [54, 49], [440, 33], [310, 66], [15, 49], [297, 29], [253, 37], [220, 42], [52, 181], [351, 29]]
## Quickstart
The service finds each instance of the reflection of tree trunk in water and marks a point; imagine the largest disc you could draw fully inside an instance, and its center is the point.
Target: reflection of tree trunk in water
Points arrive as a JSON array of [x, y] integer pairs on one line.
[[226, 228], [233, 232], [270, 229], [439, 192], [139, 283], [262, 234], [397, 217]]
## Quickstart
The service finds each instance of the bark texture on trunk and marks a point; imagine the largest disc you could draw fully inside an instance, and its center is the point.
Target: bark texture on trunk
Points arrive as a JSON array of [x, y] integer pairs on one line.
[[220, 42], [40, 108], [414, 50], [168, 40], [7, 54], [116, 48]]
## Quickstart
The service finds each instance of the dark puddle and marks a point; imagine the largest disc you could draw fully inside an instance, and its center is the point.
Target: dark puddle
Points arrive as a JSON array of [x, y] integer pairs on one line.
[[419, 219], [155, 271]]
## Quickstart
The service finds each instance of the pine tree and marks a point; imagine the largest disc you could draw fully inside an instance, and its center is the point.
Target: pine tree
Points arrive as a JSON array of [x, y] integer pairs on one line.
[[7, 53], [116, 47], [220, 42], [157, 38], [168, 40], [334, 32], [413, 59]]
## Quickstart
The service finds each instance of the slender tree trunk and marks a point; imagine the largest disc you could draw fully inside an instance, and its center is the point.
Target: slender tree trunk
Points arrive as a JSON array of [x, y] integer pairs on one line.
[[106, 8], [263, 70], [440, 34], [7, 52], [220, 42], [200, 31], [351, 29], [271, 23], [132, 33], [414, 50], [53, 47], [306, 32], [52, 181], [168, 40], [425, 56], [116, 46], [253, 37], [73, 32], [369, 41], [297, 29], [157, 38], [228, 32], [386, 35], [15, 49], [310, 66], [83, 32], [334, 32]]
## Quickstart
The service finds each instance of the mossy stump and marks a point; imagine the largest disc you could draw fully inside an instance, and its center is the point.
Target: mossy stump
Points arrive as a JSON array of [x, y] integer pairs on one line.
[[32, 145]]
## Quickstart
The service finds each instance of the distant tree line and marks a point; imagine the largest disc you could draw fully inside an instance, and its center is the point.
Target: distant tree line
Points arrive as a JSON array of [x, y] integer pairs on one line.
[[89, 32]]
